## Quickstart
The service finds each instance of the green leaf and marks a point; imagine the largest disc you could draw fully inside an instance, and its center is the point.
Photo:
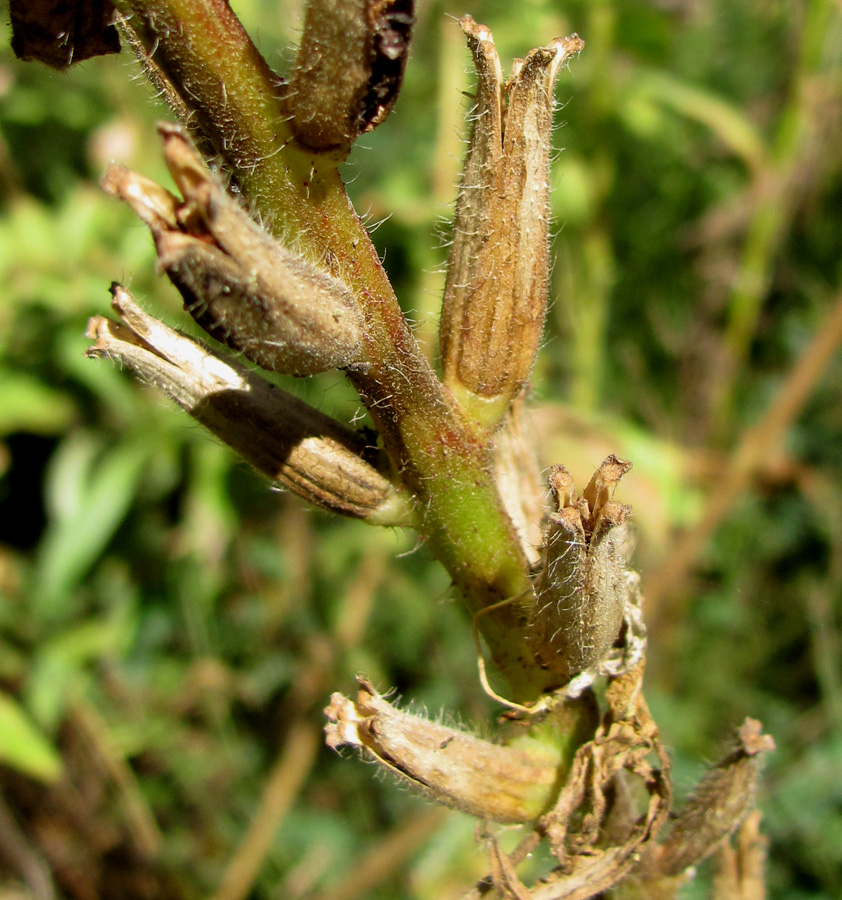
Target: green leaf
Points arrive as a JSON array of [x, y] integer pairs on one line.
[[90, 492], [27, 404], [729, 123], [23, 747]]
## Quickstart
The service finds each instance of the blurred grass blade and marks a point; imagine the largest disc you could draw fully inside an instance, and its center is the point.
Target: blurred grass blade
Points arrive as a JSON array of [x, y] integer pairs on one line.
[[28, 404], [724, 119], [58, 666], [90, 492], [22, 746]]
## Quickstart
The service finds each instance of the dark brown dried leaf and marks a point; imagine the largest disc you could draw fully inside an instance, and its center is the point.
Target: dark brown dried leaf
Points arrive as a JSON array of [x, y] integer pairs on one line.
[[62, 32]]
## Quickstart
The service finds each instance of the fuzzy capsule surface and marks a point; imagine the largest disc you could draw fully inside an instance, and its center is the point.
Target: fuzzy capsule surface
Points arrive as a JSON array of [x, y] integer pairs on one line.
[[490, 781], [719, 803], [294, 445], [495, 298], [348, 70], [583, 587], [241, 285]]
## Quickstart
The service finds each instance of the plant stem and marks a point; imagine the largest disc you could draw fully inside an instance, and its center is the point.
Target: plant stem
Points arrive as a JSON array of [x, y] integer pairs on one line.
[[202, 50]]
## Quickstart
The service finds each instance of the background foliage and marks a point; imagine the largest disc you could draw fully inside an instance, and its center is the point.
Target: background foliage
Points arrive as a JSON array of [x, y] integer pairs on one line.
[[170, 628]]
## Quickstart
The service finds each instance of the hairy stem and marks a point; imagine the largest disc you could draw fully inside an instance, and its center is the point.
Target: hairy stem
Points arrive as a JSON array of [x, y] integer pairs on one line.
[[201, 49]]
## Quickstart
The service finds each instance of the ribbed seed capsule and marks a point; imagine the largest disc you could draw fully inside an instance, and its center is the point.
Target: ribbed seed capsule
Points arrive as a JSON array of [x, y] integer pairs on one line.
[[496, 293], [240, 284], [286, 440], [491, 781], [583, 586]]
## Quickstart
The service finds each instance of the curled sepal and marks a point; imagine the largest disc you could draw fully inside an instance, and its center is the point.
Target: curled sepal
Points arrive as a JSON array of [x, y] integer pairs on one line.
[[495, 297], [348, 70], [286, 440], [585, 589], [506, 784], [240, 284], [718, 805]]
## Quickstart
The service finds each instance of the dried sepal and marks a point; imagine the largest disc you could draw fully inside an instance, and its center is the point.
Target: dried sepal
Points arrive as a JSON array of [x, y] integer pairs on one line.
[[240, 284], [585, 586], [348, 70], [622, 747], [286, 440], [719, 804], [491, 781], [517, 474], [495, 297]]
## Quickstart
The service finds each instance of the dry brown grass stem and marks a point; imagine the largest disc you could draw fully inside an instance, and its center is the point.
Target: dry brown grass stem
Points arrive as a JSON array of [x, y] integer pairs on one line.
[[289, 773], [755, 447], [386, 856], [23, 858], [139, 818]]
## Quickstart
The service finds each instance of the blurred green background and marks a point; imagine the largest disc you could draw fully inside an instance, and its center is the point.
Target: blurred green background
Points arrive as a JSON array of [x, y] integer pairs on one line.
[[170, 627]]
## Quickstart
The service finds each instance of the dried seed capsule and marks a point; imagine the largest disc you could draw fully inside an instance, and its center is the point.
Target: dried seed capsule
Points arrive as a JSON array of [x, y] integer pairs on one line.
[[583, 587], [241, 285], [286, 440], [496, 293], [348, 71], [718, 805], [506, 784]]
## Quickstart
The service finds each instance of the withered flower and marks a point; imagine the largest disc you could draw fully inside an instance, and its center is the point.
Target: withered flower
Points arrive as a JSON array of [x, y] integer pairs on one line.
[[240, 284]]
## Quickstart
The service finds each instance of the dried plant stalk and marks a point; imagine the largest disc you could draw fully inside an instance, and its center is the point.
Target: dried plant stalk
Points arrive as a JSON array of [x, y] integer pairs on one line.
[[455, 461]]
